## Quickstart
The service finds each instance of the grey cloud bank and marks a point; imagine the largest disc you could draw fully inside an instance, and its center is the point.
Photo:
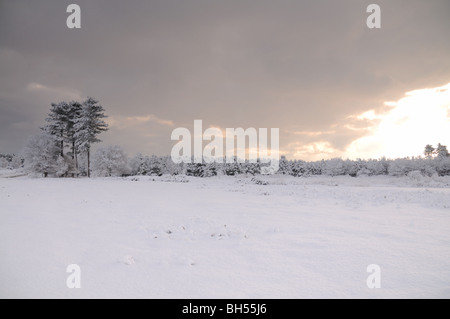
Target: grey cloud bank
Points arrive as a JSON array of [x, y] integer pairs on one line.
[[302, 66]]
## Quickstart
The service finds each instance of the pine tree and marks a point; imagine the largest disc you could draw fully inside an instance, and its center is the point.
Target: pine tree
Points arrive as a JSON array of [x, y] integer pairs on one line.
[[429, 151], [441, 151], [57, 123], [87, 126]]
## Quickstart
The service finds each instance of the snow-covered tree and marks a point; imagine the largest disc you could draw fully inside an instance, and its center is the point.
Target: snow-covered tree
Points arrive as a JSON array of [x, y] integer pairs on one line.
[[73, 114], [297, 168], [156, 166], [233, 169], [443, 166], [11, 161], [428, 168], [441, 151], [16, 162], [285, 166], [57, 120], [352, 168], [110, 161], [195, 169], [41, 154], [251, 168], [61, 121], [210, 169], [314, 168], [88, 125], [429, 151]]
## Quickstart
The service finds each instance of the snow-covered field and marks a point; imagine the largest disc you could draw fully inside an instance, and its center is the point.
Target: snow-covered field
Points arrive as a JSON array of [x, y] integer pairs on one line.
[[225, 237]]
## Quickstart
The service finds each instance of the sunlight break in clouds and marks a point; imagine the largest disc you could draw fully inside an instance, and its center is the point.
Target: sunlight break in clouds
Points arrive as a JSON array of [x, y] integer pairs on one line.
[[134, 121], [421, 117], [57, 93]]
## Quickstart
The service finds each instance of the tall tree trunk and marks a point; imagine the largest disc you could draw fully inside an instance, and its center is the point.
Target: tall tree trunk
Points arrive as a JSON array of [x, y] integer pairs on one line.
[[74, 156], [89, 162], [62, 143]]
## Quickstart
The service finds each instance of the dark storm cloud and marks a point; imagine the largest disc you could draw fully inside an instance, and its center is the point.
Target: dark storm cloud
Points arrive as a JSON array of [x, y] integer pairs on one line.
[[297, 65]]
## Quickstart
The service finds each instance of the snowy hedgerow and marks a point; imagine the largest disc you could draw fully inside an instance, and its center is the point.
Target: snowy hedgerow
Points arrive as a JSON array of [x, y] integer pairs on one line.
[[16, 162], [204, 169], [211, 169], [110, 161], [41, 154], [195, 169], [156, 166], [364, 172], [377, 167], [285, 166], [232, 169], [415, 175], [400, 167], [443, 166], [145, 165], [140, 165], [314, 168], [11, 161], [403, 166], [427, 166], [172, 168], [352, 168], [3, 162], [334, 167], [297, 168], [251, 168]]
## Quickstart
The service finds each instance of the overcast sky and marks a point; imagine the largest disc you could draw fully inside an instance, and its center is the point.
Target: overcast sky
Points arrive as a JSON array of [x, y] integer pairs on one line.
[[306, 67]]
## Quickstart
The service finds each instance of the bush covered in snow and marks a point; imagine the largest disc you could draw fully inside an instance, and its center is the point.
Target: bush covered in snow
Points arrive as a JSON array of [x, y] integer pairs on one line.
[[110, 161], [13, 161], [442, 166], [41, 154]]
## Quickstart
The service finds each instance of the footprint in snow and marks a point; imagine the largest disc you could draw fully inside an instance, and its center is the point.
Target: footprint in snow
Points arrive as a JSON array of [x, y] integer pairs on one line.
[[128, 260]]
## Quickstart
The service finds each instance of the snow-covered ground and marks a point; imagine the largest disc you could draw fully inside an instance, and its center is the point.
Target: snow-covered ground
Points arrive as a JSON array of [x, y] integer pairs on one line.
[[224, 237]]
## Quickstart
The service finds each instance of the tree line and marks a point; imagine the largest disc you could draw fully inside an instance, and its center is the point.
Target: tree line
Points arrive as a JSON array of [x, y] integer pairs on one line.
[[160, 165], [440, 151], [63, 148], [113, 161]]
